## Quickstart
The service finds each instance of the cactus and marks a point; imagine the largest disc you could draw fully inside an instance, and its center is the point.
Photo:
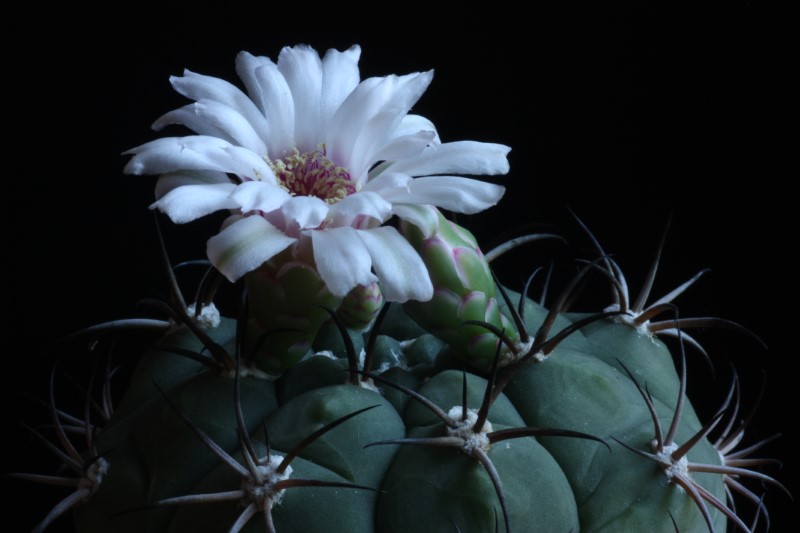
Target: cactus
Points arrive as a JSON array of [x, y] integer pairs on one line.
[[381, 380]]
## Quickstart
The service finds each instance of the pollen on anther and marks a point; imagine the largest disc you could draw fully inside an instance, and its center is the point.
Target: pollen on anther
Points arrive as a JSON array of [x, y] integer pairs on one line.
[[313, 174]]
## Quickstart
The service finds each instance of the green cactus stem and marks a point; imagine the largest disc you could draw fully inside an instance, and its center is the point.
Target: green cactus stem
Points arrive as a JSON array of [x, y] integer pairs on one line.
[[390, 429]]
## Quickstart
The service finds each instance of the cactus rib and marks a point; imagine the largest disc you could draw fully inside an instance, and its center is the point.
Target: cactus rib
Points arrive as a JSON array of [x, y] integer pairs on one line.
[[263, 478], [471, 433], [671, 457]]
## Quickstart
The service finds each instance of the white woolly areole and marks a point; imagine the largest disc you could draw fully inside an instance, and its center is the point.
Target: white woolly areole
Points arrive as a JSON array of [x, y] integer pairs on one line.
[[400, 361], [249, 372], [404, 345], [629, 319], [259, 492], [521, 349], [524, 347], [94, 475], [672, 468], [464, 429], [362, 356], [326, 353], [540, 356], [386, 365], [208, 317], [369, 385]]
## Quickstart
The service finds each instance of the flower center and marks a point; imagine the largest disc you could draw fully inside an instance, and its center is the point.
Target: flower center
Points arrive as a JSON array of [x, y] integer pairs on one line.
[[313, 174]]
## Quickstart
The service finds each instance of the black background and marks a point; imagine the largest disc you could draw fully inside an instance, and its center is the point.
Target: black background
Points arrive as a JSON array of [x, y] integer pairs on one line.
[[624, 116]]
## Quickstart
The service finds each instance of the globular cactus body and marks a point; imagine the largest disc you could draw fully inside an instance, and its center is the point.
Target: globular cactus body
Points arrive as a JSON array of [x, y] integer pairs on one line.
[[549, 483]]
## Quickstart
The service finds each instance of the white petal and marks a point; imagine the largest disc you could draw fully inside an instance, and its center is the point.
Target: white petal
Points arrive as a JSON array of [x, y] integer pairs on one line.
[[198, 152], [413, 124], [346, 123], [383, 125], [454, 193], [278, 108], [462, 157], [425, 217], [339, 77], [207, 117], [342, 259], [199, 87], [234, 125], [190, 202], [245, 245], [259, 195], [249, 164], [231, 220], [188, 117], [169, 154], [366, 150], [402, 274], [306, 211], [302, 68], [388, 183], [246, 66], [405, 146], [360, 210], [351, 142], [173, 180]]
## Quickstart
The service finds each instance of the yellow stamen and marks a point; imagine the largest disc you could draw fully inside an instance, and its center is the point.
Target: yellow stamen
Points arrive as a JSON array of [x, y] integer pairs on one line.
[[313, 174]]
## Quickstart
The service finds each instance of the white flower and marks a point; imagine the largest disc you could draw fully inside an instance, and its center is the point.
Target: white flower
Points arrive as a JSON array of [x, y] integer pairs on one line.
[[313, 155]]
